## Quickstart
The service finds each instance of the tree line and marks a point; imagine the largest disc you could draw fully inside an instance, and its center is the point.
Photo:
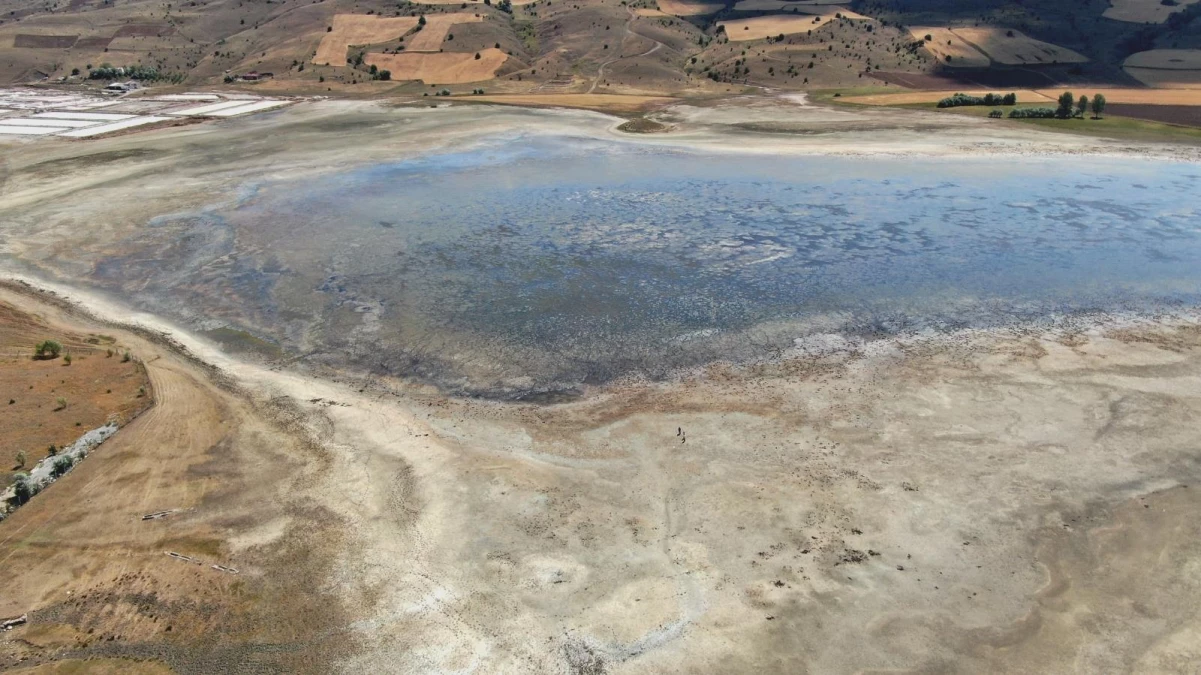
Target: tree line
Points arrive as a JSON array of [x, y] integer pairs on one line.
[[1068, 107]]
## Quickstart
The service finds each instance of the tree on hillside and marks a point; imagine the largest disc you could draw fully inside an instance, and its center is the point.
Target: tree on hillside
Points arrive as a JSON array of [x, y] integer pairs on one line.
[[1081, 106], [1098, 106], [1066, 103]]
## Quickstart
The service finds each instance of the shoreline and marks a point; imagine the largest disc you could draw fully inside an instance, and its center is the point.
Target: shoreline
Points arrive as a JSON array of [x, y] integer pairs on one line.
[[885, 132], [605, 451]]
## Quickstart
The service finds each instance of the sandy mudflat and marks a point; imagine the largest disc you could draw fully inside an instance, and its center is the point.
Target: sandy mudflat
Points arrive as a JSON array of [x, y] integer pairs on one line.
[[978, 501]]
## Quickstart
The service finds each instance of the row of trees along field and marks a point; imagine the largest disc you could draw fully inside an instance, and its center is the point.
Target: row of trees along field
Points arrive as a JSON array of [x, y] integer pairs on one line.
[[1068, 108]]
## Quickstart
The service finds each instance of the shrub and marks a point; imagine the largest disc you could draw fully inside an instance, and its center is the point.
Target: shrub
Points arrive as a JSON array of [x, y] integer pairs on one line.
[[21, 459], [47, 349], [125, 358], [135, 72], [62, 403], [996, 114], [67, 359], [61, 465], [23, 488], [1031, 113], [961, 99]]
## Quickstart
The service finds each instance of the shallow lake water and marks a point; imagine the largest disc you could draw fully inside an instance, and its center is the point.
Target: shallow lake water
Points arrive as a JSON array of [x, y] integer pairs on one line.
[[533, 264]]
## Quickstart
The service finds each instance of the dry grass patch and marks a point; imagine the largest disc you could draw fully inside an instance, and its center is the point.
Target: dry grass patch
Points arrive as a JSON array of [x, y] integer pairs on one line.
[[650, 12], [1011, 47], [436, 28], [460, 2], [440, 68], [27, 41], [1143, 11], [615, 103], [689, 7], [359, 29], [44, 400], [787, 5], [760, 27], [943, 44]]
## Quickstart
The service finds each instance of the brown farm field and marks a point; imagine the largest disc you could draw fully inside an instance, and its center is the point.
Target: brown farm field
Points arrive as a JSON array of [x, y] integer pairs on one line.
[[440, 68], [1018, 49], [359, 29], [50, 402], [948, 48], [1183, 115]]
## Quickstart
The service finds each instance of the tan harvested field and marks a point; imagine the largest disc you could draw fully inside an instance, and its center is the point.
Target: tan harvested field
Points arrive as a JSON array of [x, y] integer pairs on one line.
[[1135, 96], [613, 103], [359, 29], [912, 97], [1166, 79], [1166, 59], [440, 68], [818, 6], [1017, 50], [945, 43], [689, 7], [1166, 68], [1144, 11], [437, 27], [760, 27]]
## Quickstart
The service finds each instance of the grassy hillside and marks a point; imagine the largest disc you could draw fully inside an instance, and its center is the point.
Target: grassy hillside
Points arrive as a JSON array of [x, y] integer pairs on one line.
[[596, 46]]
